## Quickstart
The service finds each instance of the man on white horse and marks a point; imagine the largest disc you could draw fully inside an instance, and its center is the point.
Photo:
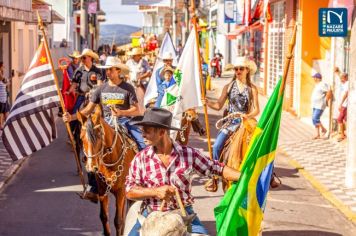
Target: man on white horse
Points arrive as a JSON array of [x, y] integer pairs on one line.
[[164, 166]]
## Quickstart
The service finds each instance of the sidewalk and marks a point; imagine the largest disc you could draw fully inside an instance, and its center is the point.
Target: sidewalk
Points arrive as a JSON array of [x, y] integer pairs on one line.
[[321, 162], [7, 166]]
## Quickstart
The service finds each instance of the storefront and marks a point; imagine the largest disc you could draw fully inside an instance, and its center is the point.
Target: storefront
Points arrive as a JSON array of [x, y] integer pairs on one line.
[[276, 45]]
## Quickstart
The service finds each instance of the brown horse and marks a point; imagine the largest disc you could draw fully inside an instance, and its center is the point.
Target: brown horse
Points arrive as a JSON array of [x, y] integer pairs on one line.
[[236, 146], [189, 120], [109, 154]]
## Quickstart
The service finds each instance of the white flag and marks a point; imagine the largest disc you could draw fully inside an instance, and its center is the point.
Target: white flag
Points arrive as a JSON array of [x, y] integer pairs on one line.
[[186, 93], [166, 47]]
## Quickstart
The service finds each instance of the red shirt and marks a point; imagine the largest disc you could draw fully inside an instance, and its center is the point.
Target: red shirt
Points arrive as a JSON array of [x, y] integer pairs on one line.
[[148, 171]]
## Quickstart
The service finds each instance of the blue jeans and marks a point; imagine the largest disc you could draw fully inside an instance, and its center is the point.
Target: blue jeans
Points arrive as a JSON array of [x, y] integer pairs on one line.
[[316, 116], [197, 226], [78, 103], [222, 136], [134, 130]]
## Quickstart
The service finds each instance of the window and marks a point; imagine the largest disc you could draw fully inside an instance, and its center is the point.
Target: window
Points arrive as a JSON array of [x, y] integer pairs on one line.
[[276, 45]]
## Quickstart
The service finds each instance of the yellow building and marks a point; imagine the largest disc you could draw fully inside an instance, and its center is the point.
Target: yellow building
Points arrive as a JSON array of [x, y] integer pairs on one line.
[[312, 54]]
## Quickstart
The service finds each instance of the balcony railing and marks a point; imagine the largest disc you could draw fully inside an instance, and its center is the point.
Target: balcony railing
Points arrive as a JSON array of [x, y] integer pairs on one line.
[[152, 30]]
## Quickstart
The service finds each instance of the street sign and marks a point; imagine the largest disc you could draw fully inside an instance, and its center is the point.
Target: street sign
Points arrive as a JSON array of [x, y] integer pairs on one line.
[[332, 22]]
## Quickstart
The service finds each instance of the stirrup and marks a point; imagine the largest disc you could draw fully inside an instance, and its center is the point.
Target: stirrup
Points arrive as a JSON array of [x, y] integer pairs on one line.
[[211, 185]]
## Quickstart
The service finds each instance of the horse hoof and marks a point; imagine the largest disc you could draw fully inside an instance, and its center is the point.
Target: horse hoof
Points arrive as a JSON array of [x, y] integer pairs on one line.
[[89, 196]]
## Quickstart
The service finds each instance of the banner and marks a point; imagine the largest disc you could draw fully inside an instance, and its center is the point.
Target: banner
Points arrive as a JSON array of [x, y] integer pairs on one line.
[[229, 11]]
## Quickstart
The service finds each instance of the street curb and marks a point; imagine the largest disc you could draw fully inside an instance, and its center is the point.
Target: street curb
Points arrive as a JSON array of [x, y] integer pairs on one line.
[[10, 172], [321, 188]]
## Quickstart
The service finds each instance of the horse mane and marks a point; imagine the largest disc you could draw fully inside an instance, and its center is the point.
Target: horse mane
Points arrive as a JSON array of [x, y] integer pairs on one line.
[[90, 131]]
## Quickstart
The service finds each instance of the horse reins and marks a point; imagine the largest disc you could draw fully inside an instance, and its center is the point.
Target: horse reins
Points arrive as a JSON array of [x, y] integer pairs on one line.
[[226, 121]]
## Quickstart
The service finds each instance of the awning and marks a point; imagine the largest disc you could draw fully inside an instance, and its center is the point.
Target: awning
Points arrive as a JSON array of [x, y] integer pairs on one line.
[[57, 18], [240, 29]]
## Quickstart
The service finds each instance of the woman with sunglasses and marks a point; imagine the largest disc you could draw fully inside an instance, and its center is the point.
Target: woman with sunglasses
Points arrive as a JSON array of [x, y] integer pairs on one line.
[[242, 97]]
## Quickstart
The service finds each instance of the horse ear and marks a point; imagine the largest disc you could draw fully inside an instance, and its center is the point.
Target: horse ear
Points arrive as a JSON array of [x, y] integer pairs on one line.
[[97, 114], [81, 118]]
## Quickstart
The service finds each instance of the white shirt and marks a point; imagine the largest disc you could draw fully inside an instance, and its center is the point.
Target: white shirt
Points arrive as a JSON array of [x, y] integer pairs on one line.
[[344, 87], [318, 98], [137, 68]]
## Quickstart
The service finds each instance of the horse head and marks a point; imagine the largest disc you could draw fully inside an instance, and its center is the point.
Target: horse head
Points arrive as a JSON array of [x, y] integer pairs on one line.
[[92, 136], [191, 115]]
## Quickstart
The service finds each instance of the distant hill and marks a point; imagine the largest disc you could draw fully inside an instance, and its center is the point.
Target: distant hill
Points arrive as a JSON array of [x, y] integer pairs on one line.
[[121, 33]]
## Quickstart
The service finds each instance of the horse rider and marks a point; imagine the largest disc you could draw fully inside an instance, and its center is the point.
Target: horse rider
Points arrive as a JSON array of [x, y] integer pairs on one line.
[[164, 166], [119, 102], [167, 74], [74, 64], [242, 97], [85, 77], [140, 72]]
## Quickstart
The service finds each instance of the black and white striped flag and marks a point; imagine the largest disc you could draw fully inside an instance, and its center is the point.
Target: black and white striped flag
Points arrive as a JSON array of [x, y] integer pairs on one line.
[[30, 125]]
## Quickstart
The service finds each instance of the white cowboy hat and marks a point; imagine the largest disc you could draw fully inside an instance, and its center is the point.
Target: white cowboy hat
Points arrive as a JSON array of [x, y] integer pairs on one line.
[[115, 62], [88, 52], [135, 51], [75, 54], [245, 62], [167, 56]]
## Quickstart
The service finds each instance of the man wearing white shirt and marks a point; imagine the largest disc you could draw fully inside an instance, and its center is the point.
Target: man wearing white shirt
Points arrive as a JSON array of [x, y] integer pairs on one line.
[[320, 96], [342, 106]]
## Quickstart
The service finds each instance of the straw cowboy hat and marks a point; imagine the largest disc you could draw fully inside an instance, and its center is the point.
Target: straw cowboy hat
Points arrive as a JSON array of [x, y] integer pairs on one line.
[[155, 117], [75, 54], [245, 62], [167, 68], [167, 56], [135, 51], [115, 62], [88, 52]]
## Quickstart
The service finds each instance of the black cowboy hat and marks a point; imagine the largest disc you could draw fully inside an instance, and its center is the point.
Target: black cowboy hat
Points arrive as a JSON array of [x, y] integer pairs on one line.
[[155, 117]]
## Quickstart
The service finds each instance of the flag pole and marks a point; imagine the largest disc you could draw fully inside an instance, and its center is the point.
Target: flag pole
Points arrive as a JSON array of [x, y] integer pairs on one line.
[[287, 62], [194, 19], [79, 167]]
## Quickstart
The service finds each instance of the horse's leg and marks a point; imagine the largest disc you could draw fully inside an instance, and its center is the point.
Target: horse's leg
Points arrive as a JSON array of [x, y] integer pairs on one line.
[[120, 212], [104, 214]]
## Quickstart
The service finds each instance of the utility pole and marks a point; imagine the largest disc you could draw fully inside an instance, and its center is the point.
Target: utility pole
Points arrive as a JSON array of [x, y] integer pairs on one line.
[[83, 23], [350, 170]]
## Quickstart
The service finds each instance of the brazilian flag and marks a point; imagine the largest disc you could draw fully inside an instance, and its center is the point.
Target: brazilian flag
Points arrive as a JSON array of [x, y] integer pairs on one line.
[[240, 212]]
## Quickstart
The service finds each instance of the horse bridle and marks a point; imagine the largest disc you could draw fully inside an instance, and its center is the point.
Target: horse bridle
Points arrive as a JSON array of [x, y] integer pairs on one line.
[[110, 181], [106, 151]]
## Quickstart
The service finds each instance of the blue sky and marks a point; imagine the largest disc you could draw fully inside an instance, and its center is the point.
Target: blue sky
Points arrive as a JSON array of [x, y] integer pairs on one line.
[[119, 14]]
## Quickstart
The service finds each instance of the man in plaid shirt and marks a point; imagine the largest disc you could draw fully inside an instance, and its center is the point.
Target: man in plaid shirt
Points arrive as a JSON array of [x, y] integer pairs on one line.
[[164, 166]]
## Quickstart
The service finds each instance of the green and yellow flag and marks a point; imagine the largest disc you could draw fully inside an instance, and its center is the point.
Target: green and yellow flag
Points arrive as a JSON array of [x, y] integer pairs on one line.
[[240, 212]]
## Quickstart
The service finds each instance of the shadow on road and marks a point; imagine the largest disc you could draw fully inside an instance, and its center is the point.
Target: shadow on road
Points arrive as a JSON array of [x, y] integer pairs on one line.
[[299, 233], [286, 172]]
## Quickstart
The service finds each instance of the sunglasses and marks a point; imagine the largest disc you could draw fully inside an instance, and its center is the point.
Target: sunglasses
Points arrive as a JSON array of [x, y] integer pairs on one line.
[[241, 68], [83, 57]]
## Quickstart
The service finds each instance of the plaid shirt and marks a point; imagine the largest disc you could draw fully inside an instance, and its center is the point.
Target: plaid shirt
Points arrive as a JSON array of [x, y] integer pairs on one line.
[[148, 171]]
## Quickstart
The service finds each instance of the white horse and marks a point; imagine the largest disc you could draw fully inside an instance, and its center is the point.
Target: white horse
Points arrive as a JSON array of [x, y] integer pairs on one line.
[[159, 223]]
